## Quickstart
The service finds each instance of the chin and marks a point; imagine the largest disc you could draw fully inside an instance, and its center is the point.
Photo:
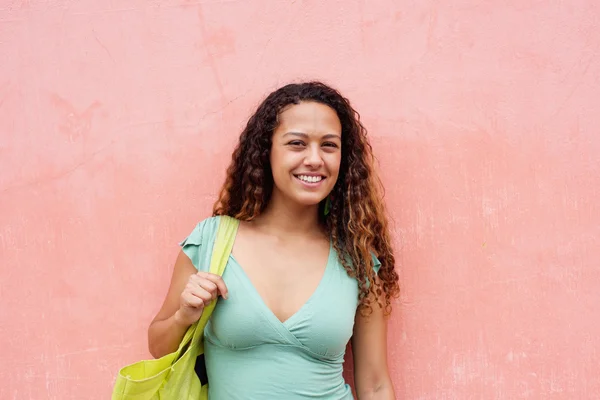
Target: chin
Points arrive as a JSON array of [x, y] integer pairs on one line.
[[308, 200]]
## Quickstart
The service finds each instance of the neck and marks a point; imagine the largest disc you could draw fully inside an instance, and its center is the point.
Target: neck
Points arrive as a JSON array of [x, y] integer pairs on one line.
[[287, 218]]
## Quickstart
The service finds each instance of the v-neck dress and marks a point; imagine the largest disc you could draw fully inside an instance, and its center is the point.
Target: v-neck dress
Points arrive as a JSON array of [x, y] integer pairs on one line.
[[251, 354]]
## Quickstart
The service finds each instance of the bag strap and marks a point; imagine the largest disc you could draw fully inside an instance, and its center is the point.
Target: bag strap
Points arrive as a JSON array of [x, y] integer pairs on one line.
[[223, 244], [220, 255]]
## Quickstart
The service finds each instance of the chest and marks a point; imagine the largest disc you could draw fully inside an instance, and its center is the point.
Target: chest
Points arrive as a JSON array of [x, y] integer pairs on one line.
[[284, 275], [322, 326]]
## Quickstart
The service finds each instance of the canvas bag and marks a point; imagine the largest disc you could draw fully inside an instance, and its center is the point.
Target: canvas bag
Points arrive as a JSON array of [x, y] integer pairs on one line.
[[176, 375]]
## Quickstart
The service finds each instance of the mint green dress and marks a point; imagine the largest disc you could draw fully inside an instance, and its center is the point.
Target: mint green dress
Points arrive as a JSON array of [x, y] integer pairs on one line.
[[251, 354]]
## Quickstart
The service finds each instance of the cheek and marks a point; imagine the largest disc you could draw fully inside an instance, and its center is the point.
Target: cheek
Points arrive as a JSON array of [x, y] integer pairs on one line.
[[284, 160], [277, 161], [281, 163], [334, 162]]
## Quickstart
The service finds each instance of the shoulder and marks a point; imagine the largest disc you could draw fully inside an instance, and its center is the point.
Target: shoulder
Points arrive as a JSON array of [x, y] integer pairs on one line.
[[374, 260], [202, 232], [376, 263], [199, 243]]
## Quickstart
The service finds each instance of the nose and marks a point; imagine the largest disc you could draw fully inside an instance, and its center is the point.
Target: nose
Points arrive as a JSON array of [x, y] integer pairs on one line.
[[313, 157]]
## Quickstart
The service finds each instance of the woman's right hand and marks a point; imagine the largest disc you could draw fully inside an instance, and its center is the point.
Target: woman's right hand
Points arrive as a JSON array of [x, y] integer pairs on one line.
[[201, 289]]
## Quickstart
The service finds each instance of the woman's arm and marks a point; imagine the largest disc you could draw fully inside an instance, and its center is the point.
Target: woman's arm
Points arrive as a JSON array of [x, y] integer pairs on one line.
[[166, 331], [189, 292], [369, 347]]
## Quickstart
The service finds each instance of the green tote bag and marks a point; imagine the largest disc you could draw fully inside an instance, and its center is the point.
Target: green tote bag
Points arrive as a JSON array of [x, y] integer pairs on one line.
[[174, 377]]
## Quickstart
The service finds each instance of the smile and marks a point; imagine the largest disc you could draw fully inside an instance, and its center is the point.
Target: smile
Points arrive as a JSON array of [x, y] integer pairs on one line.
[[310, 179]]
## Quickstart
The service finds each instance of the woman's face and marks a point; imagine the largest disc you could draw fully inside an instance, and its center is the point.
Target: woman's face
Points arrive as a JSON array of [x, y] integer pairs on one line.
[[306, 153]]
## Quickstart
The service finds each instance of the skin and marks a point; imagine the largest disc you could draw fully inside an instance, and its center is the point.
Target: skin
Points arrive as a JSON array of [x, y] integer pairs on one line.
[[307, 142]]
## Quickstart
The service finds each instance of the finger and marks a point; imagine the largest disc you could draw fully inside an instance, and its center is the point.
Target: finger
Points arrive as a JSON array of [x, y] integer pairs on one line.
[[192, 301], [209, 287], [197, 283], [195, 288], [217, 280], [204, 296], [196, 280]]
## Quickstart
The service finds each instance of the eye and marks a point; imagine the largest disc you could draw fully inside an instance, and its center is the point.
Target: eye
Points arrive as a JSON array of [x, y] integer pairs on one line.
[[330, 144], [296, 143]]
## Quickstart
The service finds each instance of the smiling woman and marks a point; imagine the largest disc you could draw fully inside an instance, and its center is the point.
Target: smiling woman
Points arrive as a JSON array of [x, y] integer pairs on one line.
[[306, 153], [311, 267]]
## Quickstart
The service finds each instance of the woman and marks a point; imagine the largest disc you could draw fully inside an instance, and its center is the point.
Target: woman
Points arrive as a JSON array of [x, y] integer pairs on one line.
[[312, 265]]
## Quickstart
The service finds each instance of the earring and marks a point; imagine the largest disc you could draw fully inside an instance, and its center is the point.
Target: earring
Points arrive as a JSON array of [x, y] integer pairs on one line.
[[327, 206]]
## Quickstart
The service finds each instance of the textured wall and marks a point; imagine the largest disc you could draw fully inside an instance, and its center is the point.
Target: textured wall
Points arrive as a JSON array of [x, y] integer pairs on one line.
[[117, 119]]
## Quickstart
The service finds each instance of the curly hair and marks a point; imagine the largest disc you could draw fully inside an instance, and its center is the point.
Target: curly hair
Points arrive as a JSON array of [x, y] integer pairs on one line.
[[356, 221]]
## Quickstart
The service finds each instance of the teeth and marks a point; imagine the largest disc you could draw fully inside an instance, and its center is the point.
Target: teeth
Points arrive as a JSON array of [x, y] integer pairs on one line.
[[311, 179]]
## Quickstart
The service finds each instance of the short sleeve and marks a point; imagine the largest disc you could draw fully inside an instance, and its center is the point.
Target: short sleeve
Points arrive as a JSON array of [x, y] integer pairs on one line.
[[199, 243], [376, 264]]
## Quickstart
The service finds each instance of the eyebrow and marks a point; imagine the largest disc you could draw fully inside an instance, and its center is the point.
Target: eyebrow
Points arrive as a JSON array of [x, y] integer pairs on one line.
[[304, 135]]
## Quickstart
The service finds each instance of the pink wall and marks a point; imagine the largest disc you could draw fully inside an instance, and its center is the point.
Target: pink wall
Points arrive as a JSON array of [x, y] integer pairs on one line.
[[117, 119]]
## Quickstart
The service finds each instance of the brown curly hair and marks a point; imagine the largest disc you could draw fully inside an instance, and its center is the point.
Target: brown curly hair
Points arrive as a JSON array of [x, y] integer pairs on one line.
[[357, 220]]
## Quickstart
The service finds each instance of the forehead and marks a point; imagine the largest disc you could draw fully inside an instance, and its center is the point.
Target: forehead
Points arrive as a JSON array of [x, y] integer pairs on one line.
[[309, 117]]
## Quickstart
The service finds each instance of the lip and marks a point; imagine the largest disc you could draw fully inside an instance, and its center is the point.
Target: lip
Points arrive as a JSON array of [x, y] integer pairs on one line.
[[309, 174], [310, 184]]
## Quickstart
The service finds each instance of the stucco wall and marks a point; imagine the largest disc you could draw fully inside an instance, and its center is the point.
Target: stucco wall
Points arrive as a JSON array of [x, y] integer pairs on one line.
[[117, 119]]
